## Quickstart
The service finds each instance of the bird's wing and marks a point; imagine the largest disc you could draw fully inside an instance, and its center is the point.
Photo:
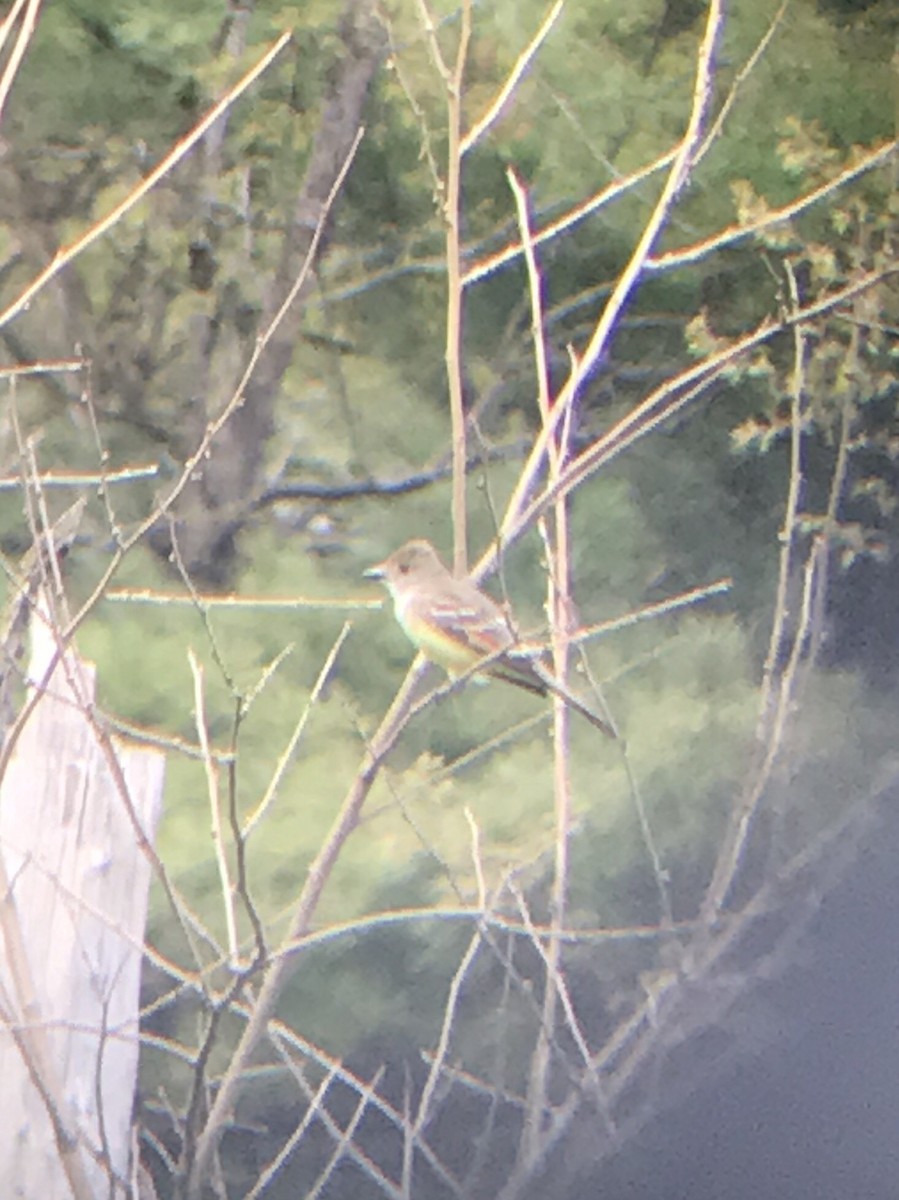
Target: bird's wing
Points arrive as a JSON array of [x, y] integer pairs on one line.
[[469, 616], [484, 632], [471, 620]]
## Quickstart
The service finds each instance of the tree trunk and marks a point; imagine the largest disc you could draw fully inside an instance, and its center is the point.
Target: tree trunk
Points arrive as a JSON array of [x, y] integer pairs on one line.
[[73, 902]]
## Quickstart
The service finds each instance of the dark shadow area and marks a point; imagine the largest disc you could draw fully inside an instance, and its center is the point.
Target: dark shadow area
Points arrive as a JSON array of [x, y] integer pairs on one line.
[[814, 1115]]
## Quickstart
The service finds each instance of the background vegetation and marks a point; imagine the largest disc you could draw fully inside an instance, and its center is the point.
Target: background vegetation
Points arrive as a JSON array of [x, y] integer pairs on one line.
[[522, 932]]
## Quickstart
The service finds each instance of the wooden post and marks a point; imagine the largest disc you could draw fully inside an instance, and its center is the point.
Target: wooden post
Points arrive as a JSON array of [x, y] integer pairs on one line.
[[73, 903]]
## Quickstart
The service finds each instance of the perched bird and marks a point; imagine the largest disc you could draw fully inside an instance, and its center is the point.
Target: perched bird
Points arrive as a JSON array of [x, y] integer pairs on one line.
[[457, 626]]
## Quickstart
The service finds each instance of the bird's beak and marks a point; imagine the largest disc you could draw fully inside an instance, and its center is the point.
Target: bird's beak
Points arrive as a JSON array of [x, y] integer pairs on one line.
[[378, 571]]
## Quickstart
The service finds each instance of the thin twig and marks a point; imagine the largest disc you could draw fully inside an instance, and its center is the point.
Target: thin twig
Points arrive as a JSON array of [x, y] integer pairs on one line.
[[77, 479], [734, 843], [17, 54], [677, 177], [775, 216], [558, 551], [313, 1108], [286, 757], [521, 64], [319, 872], [788, 529], [452, 215], [667, 401], [64, 256], [263, 603], [212, 792], [586, 208], [742, 75], [46, 366]]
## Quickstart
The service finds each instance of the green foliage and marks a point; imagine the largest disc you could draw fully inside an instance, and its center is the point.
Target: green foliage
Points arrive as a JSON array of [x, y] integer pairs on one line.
[[845, 373], [670, 683], [466, 799]]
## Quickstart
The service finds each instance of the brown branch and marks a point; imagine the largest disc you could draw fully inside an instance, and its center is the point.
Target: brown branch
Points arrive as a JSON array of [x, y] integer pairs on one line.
[[274, 982], [362, 488], [666, 402]]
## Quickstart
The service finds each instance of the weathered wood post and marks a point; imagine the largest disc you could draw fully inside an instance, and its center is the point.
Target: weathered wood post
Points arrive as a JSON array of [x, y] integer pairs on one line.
[[73, 902]]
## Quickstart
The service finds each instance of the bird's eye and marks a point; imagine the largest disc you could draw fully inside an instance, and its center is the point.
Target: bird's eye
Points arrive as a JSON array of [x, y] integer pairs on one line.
[[404, 568]]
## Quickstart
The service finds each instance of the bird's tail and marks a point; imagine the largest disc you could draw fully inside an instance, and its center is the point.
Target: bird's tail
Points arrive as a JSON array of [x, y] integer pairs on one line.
[[526, 673]]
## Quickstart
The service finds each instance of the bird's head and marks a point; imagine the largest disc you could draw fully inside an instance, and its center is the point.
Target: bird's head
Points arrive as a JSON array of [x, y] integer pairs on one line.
[[415, 560]]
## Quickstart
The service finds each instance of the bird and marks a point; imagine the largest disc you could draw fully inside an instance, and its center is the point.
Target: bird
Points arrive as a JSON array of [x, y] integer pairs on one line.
[[458, 626]]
